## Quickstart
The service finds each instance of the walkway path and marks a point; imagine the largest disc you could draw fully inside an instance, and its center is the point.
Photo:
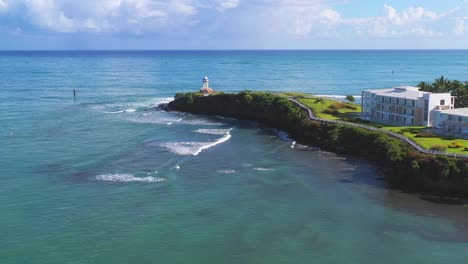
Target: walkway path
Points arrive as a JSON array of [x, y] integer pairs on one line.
[[371, 128]]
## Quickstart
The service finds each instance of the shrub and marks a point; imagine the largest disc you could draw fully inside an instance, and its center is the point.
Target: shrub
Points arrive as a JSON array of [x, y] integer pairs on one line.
[[439, 147], [465, 149], [179, 95], [350, 106], [455, 144], [426, 135], [336, 106], [330, 111], [350, 98]]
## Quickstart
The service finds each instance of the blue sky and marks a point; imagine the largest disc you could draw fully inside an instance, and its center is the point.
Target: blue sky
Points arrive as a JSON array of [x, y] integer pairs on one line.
[[233, 24]]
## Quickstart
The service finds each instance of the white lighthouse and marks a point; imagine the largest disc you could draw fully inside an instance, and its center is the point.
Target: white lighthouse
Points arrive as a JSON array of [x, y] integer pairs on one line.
[[206, 86], [206, 83]]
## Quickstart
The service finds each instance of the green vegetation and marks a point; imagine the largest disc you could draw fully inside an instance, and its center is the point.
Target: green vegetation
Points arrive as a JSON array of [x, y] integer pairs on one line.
[[443, 85], [405, 166], [332, 109], [336, 110], [258, 106], [429, 140], [350, 98]]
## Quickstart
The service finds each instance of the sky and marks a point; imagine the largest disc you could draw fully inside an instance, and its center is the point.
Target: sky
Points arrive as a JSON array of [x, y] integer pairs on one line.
[[232, 24]]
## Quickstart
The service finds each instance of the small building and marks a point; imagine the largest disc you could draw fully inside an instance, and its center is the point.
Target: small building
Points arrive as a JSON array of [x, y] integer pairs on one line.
[[206, 87], [404, 106], [454, 121]]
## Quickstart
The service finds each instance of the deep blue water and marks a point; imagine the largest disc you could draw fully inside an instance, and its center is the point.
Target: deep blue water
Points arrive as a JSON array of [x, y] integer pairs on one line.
[[109, 179]]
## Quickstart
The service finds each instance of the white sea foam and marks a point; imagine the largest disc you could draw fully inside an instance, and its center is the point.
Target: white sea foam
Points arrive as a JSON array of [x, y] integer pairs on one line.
[[114, 112], [214, 131], [264, 169], [227, 171], [127, 178], [154, 118], [130, 107], [201, 122], [193, 148]]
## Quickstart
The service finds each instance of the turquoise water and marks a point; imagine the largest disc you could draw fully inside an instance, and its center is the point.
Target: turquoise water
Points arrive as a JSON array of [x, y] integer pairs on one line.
[[109, 179]]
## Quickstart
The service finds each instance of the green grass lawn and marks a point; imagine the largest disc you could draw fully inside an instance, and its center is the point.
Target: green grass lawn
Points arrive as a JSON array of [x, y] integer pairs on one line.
[[320, 105], [428, 142]]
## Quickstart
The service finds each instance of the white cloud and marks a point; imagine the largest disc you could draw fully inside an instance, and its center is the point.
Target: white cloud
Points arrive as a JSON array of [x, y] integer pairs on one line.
[[412, 21], [120, 16], [281, 19], [227, 4], [409, 15], [459, 27], [330, 17], [3, 5]]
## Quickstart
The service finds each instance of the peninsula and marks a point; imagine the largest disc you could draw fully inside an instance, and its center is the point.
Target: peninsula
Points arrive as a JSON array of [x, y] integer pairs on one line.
[[406, 166]]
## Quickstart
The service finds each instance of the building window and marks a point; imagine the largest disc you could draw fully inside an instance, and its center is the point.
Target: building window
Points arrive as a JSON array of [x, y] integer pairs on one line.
[[413, 102], [442, 102], [459, 119]]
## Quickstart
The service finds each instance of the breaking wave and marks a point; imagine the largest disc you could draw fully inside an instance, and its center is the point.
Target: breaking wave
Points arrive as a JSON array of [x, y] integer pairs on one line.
[[117, 108], [227, 171], [127, 178], [264, 169], [214, 131], [193, 148]]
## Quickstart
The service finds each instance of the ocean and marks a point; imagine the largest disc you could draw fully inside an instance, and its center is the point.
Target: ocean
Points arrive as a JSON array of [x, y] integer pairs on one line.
[[107, 178]]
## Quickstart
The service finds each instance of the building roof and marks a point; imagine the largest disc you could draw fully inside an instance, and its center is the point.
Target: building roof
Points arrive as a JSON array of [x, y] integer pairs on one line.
[[409, 92], [456, 111]]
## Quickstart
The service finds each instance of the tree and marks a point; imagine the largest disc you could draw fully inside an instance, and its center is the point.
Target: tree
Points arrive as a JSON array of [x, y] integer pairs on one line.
[[350, 98], [443, 85]]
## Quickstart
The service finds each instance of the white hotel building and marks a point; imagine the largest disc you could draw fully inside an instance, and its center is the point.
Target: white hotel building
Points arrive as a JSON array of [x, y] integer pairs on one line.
[[404, 106], [454, 121]]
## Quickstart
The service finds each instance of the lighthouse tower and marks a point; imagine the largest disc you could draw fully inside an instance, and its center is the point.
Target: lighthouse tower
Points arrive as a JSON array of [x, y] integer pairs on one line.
[[206, 83], [206, 86]]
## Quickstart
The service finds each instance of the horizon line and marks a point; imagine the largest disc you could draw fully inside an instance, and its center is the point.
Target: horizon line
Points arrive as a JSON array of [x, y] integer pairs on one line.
[[371, 49]]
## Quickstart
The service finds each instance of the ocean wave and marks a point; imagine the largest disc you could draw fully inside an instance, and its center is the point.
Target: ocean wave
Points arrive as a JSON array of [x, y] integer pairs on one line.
[[127, 178], [227, 171], [264, 169], [154, 118], [213, 131], [114, 112], [193, 148], [130, 107], [201, 122]]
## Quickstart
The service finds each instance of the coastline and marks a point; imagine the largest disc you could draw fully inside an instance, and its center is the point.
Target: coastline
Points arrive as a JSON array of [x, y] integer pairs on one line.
[[405, 168]]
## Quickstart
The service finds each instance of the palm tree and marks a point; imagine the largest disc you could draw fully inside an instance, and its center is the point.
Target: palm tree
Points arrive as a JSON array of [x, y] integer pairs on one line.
[[425, 86]]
